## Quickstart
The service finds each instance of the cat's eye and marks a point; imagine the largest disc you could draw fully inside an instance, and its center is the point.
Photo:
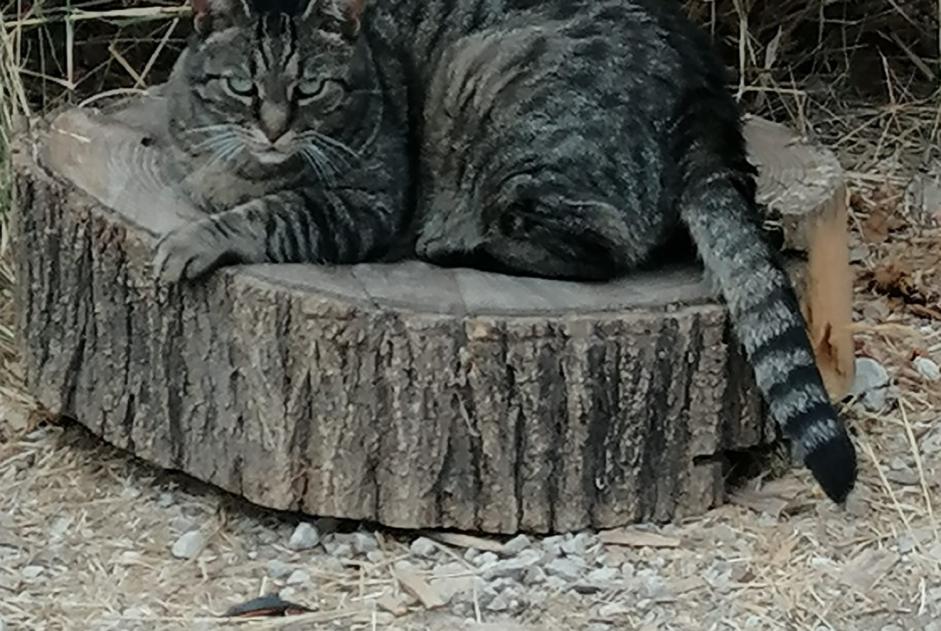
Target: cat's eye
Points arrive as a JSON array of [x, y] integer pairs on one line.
[[311, 89], [240, 86]]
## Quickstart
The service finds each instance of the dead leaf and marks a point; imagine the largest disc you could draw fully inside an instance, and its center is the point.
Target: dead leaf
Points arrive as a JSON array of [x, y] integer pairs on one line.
[[775, 498], [635, 538], [413, 583], [863, 572], [266, 606]]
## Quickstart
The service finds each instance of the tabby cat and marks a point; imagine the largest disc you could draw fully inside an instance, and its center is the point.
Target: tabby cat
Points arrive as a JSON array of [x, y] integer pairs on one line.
[[558, 138]]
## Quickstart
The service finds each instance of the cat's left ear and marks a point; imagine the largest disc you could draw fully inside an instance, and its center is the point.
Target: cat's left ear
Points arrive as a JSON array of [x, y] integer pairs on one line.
[[342, 16], [209, 15]]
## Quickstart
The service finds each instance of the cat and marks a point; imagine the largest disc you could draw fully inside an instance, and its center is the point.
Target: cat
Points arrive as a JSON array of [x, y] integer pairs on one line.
[[555, 138]]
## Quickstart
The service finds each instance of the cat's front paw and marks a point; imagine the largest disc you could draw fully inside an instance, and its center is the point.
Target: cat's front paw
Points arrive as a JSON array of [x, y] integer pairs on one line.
[[189, 252]]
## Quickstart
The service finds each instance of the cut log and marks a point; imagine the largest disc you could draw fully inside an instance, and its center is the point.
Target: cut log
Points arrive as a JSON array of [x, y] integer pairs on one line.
[[403, 394]]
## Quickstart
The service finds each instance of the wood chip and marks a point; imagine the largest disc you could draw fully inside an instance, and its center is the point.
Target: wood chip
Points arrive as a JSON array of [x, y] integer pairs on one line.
[[863, 572], [459, 540], [413, 583], [393, 604], [638, 539]]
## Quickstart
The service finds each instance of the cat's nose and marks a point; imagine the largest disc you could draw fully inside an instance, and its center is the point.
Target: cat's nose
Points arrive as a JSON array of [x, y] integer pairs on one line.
[[273, 120]]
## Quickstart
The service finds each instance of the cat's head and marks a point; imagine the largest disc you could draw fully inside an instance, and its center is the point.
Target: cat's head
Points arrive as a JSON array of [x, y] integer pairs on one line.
[[261, 85]]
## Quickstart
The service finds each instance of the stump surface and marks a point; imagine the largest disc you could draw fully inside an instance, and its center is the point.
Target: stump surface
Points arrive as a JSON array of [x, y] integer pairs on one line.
[[404, 394]]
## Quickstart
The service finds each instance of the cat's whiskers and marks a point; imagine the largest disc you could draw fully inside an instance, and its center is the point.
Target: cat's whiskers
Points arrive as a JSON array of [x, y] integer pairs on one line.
[[318, 162]]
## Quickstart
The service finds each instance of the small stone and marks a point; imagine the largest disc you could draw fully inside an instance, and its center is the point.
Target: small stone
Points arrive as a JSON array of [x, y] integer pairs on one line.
[[892, 627], [927, 368], [60, 527], [516, 545], [470, 554], [628, 570], [577, 545], [304, 537], [423, 547], [871, 383], [32, 572], [556, 583], [450, 569], [364, 543], [188, 545], [906, 543], [485, 559], [602, 576], [511, 568], [279, 569], [339, 550], [298, 577], [165, 500], [613, 610], [569, 568], [375, 556], [534, 576], [553, 545], [499, 603], [287, 593]]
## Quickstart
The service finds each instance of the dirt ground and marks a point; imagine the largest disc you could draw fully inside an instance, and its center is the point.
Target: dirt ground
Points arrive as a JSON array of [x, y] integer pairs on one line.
[[87, 533]]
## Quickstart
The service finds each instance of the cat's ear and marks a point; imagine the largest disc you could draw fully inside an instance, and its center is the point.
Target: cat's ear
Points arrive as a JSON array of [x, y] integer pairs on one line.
[[209, 15], [342, 16]]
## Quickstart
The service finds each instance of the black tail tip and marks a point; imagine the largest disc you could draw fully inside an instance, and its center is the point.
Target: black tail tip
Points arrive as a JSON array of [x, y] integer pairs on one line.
[[833, 464]]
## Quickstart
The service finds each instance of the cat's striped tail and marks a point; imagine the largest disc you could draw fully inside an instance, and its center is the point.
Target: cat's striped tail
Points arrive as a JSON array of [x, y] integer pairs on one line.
[[718, 210]]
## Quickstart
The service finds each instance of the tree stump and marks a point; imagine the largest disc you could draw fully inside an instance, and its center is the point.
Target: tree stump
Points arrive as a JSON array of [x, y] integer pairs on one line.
[[403, 394]]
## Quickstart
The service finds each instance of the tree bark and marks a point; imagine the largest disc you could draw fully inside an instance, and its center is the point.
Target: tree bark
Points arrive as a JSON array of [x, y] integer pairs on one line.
[[404, 394]]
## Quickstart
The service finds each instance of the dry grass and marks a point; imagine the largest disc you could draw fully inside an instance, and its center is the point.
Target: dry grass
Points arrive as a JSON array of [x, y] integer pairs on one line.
[[100, 524]]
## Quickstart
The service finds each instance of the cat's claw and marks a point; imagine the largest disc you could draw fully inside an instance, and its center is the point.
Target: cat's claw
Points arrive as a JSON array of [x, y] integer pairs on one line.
[[186, 253]]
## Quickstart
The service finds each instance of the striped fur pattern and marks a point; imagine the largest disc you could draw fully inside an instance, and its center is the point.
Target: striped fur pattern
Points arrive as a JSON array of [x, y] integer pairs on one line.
[[558, 138]]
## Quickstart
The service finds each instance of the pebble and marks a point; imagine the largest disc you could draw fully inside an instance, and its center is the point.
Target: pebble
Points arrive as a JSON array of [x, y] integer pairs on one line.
[[485, 558], [516, 545], [602, 576], [553, 545], [569, 568], [304, 537], [534, 576], [892, 627], [871, 383], [906, 543], [288, 593], [611, 610], [338, 550], [577, 546], [364, 543], [470, 554], [279, 569], [165, 500], [60, 527], [499, 603], [188, 545], [32, 572], [423, 547], [298, 577], [375, 556], [928, 368]]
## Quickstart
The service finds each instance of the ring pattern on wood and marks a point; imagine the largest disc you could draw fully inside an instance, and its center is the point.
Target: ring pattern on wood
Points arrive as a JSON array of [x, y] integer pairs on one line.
[[404, 394]]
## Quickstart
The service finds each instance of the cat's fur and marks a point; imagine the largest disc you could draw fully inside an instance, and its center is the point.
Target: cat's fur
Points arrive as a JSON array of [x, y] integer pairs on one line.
[[561, 138]]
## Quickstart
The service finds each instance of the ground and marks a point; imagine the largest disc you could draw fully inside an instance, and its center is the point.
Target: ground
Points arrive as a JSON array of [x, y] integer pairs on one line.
[[90, 538]]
